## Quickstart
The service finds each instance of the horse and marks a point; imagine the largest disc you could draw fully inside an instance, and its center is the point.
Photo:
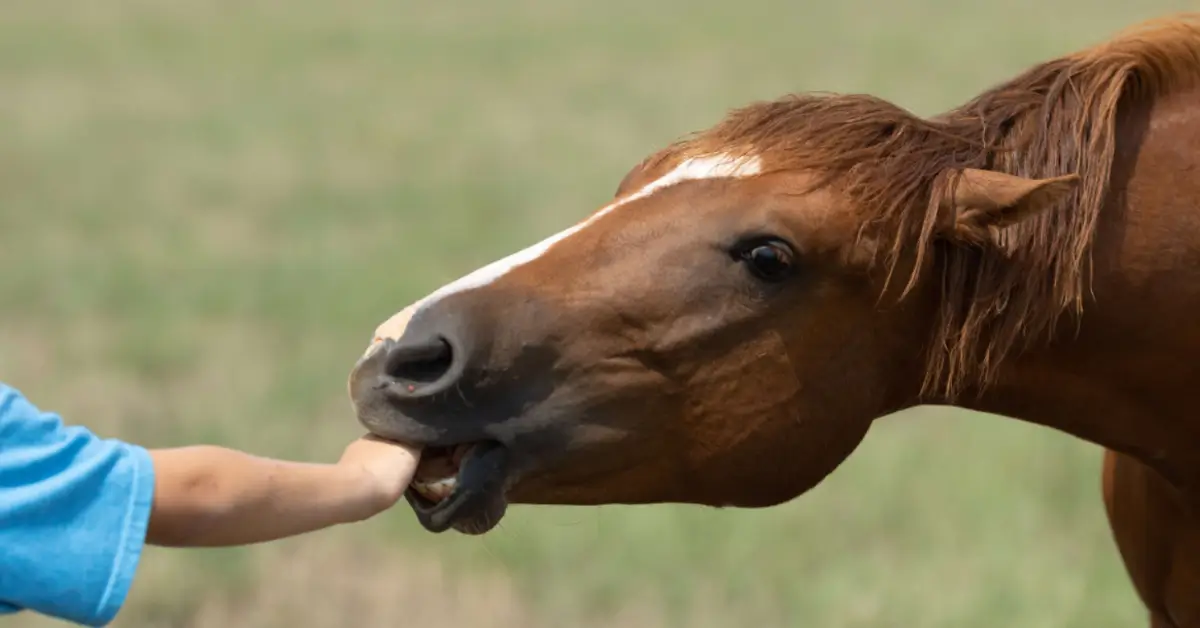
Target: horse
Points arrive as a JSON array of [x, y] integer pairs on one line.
[[726, 329]]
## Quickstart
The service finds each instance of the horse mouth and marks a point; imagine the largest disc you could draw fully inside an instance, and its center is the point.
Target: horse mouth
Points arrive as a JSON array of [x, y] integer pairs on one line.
[[460, 487]]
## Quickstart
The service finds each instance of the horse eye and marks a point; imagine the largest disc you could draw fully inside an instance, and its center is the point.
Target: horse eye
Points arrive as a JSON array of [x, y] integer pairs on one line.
[[769, 261]]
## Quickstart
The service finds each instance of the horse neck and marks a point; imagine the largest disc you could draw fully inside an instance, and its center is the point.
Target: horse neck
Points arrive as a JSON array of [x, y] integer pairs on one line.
[[1124, 376]]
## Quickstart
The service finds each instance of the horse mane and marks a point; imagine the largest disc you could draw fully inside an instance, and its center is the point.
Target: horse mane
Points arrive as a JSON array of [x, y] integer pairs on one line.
[[1056, 118]]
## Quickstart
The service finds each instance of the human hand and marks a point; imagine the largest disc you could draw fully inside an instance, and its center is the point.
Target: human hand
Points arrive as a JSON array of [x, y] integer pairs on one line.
[[387, 466]]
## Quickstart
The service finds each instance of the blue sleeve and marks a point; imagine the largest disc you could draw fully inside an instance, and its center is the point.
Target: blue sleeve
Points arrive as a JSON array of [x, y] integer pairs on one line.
[[73, 515]]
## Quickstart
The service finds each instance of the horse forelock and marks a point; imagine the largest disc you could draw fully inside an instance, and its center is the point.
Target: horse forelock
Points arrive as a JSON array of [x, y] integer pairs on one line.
[[1057, 118]]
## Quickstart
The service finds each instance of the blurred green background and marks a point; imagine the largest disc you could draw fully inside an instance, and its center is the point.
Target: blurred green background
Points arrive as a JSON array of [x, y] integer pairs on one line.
[[206, 208]]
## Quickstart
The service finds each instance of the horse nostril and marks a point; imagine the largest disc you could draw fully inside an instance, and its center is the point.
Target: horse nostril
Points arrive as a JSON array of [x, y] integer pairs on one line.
[[419, 364]]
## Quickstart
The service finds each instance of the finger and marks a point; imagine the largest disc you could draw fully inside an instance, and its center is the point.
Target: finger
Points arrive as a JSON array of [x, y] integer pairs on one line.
[[412, 449]]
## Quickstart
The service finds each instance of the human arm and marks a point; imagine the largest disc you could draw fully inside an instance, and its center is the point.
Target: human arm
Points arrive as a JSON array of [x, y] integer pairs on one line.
[[76, 510], [212, 496]]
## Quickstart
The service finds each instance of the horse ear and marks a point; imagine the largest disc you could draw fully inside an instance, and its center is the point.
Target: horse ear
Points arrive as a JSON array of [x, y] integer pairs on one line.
[[984, 201]]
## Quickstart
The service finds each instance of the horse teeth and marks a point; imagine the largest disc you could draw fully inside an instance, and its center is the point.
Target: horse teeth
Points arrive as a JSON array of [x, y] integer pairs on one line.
[[436, 490]]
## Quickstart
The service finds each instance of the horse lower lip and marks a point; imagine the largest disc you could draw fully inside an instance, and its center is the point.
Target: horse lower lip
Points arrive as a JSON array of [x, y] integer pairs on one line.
[[477, 500]]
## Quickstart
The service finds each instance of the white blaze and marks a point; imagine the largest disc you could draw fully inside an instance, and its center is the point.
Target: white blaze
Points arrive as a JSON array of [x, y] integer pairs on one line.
[[709, 167]]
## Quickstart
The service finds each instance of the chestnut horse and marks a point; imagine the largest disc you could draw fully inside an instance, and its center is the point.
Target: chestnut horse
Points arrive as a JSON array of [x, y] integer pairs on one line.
[[726, 330]]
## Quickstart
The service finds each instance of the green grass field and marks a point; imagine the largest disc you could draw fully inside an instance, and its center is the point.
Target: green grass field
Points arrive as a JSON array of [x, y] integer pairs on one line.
[[206, 208]]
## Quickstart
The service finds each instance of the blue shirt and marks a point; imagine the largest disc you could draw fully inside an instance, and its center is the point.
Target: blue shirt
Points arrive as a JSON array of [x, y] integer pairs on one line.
[[73, 515]]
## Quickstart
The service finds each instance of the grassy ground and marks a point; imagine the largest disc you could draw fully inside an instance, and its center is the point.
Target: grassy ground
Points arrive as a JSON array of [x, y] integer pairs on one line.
[[206, 207]]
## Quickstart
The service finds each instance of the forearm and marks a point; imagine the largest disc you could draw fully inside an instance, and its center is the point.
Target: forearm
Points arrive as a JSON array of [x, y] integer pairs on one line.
[[212, 496]]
